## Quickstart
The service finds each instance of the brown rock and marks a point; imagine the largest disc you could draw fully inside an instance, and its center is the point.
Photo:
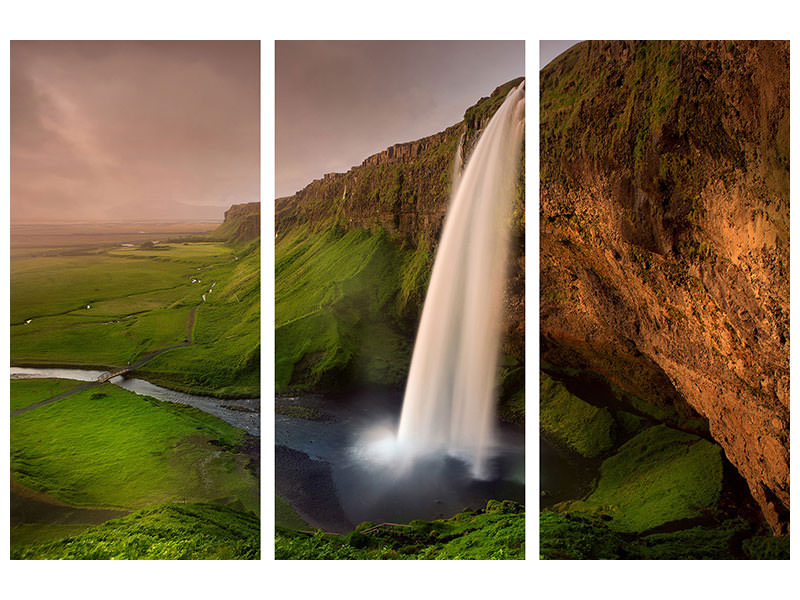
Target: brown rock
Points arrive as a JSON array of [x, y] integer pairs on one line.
[[664, 224]]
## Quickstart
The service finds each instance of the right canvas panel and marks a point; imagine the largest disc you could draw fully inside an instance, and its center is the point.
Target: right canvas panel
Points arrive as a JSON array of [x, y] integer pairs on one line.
[[664, 307]]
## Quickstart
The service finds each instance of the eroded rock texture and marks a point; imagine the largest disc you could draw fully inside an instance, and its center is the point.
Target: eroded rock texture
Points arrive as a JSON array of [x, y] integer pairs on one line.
[[665, 235]]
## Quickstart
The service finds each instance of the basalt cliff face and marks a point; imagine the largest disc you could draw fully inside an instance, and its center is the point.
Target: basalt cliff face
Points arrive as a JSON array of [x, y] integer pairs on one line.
[[403, 189], [664, 231]]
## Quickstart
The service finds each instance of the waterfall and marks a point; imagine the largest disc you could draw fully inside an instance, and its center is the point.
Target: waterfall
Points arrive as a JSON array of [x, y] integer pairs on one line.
[[449, 399]]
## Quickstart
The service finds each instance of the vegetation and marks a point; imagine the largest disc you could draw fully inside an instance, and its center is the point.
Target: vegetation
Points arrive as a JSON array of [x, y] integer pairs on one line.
[[580, 536], [497, 532], [166, 532], [107, 447], [286, 516], [336, 313], [659, 476], [25, 392], [584, 428], [111, 307]]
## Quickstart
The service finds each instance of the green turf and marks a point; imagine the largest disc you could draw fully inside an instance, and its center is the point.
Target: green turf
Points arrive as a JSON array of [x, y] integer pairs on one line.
[[107, 447], [25, 392], [498, 532], [659, 476], [585, 429], [37, 533], [166, 531]]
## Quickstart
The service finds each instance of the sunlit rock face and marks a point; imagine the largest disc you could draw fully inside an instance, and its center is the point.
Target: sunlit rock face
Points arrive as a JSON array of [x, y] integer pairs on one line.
[[664, 231]]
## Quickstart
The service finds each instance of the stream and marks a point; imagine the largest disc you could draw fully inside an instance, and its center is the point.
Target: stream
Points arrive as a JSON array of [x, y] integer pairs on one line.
[[241, 413]]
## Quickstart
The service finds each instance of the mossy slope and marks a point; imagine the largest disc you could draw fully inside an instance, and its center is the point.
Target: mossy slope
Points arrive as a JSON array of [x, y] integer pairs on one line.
[[163, 532], [498, 532], [659, 476], [585, 429]]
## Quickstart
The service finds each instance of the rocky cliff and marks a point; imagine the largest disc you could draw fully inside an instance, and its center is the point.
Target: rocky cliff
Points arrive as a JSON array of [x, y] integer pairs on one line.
[[242, 223], [403, 189], [664, 231]]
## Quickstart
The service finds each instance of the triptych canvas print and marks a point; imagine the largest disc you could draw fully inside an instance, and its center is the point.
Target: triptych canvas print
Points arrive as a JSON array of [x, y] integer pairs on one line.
[[423, 405]]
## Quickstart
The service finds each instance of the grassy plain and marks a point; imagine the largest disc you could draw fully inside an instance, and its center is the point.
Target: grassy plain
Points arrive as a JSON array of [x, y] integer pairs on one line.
[[110, 306]]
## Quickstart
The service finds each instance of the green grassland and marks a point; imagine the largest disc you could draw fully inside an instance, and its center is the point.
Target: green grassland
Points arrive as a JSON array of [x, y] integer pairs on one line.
[[142, 300], [497, 532], [166, 531], [225, 357], [107, 447], [25, 392]]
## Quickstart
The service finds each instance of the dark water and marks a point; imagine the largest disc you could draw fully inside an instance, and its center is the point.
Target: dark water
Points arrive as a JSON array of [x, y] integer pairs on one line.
[[243, 413], [347, 440]]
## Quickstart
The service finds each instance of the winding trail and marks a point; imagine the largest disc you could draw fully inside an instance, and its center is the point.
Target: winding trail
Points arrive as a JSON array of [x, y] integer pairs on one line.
[[115, 372]]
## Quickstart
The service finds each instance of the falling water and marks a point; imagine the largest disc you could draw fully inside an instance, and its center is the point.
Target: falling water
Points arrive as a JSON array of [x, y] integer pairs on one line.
[[450, 394]]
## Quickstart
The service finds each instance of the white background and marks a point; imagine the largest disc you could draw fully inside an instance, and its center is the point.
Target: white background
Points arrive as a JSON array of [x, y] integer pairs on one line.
[[399, 19]]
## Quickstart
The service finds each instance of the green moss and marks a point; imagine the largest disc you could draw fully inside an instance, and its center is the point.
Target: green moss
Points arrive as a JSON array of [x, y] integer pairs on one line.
[[584, 428], [580, 536], [659, 476], [694, 543], [628, 423], [574, 536], [498, 532]]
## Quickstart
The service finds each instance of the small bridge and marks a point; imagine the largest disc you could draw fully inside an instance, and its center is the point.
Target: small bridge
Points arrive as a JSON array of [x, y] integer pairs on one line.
[[121, 371]]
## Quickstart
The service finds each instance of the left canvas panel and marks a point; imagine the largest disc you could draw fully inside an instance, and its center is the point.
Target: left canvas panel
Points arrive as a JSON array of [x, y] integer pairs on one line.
[[135, 307]]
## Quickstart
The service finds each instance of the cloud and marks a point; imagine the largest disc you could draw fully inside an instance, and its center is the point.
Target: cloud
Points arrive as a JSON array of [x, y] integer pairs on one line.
[[133, 130]]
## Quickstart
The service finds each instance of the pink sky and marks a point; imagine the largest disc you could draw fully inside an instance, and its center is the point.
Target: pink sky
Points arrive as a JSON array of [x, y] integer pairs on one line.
[[104, 131], [337, 102]]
